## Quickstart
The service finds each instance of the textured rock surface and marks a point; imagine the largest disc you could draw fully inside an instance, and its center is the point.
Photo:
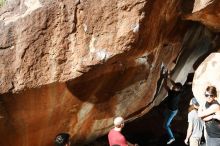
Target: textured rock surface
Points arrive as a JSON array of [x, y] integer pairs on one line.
[[74, 65], [206, 12], [57, 41], [207, 75]]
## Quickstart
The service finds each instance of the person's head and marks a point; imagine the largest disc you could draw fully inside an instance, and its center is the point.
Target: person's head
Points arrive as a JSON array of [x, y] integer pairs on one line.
[[189, 79], [119, 122], [177, 86], [210, 93], [62, 139], [193, 104]]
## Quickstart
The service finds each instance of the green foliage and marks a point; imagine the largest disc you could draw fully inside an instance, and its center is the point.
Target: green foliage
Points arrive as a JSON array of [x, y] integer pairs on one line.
[[2, 2]]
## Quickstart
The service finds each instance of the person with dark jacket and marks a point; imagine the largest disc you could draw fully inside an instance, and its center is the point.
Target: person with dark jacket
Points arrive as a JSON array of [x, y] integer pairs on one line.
[[172, 105]]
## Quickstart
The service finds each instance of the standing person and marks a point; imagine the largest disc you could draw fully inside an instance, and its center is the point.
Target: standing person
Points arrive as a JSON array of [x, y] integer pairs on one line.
[[172, 105], [62, 139], [212, 109], [195, 125], [115, 137]]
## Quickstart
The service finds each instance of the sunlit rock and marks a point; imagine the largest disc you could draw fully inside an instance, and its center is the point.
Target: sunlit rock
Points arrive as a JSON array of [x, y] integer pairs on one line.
[[207, 12], [201, 4], [73, 65], [207, 74]]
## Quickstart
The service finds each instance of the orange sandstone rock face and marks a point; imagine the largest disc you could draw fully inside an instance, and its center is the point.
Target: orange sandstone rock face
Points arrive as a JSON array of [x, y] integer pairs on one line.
[[73, 65], [206, 12], [57, 41]]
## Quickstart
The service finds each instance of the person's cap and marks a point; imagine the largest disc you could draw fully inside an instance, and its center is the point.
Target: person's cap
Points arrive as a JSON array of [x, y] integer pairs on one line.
[[61, 139], [194, 101], [118, 121]]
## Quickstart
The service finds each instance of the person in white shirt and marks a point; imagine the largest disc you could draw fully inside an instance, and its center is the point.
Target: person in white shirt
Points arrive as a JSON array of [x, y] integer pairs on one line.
[[195, 125]]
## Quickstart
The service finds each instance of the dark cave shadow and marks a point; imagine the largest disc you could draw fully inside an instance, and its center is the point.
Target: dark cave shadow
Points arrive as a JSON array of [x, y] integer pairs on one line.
[[187, 6], [100, 88], [211, 45], [202, 58]]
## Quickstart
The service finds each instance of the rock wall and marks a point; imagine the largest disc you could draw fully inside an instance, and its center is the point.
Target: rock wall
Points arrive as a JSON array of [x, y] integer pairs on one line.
[[74, 65], [207, 12]]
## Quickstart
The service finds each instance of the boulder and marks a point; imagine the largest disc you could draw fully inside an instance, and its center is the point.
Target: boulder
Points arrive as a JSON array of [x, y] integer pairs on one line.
[[73, 65], [207, 75]]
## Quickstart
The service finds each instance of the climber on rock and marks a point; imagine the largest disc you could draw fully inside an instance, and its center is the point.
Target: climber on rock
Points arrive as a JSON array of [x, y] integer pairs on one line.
[[172, 104]]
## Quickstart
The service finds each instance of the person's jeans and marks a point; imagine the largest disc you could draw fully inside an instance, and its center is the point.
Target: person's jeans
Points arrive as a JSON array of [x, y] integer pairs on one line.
[[169, 115]]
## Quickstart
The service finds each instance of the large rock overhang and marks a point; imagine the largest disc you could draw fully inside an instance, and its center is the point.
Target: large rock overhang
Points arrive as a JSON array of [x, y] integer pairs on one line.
[[74, 65]]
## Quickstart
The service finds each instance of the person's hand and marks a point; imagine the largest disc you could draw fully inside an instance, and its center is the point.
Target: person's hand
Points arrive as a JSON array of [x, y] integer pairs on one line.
[[164, 73], [186, 141], [168, 74], [136, 144], [216, 116]]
